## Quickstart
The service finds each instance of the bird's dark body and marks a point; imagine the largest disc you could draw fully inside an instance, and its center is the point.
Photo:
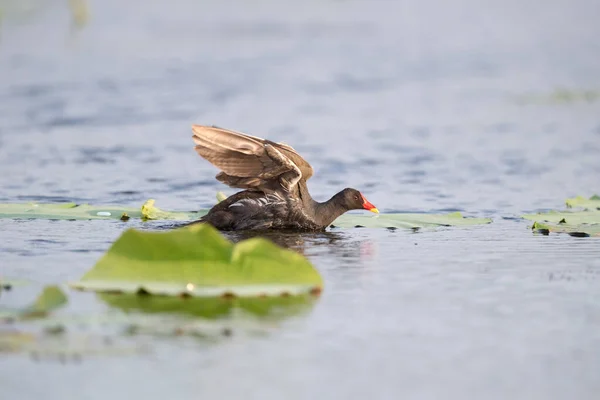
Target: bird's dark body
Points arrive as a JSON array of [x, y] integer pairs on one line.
[[253, 210]]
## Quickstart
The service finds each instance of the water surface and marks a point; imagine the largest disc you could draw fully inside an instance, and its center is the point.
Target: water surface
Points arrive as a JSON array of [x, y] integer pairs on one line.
[[424, 106]]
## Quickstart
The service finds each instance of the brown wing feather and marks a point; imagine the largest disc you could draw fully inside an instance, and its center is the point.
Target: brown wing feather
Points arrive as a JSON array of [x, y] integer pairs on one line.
[[292, 154], [244, 159]]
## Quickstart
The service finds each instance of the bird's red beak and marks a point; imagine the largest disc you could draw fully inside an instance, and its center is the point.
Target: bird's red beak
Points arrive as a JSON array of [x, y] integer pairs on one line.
[[368, 206]]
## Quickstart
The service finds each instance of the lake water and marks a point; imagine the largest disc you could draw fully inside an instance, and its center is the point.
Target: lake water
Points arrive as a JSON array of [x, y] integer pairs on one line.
[[427, 106]]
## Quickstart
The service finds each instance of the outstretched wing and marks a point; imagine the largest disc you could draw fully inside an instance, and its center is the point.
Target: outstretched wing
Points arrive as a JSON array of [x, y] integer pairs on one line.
[[249, 162]]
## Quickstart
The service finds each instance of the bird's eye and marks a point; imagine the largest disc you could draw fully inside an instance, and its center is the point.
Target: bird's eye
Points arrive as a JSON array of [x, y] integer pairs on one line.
[[355, 197]]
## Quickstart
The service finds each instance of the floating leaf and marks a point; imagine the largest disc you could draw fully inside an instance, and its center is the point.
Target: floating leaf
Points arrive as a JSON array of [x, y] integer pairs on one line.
[[198, 261], [593, 203], [405, 220], [582, 230], [50, 299], [65, 211], [569, 217], [575, 223], [149, 211]]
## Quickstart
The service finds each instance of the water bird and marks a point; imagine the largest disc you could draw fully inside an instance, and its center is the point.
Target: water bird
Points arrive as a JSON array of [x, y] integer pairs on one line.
[[273, 176]]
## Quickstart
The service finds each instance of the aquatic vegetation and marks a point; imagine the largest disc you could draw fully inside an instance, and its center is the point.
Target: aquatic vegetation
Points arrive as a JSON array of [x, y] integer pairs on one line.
[[197, 261], [593, 203], [407, 220], [65, 211], [189, 281], [192, 281], [582, 223], [24, 10], [51, 298], [149, 212], [560, 96]]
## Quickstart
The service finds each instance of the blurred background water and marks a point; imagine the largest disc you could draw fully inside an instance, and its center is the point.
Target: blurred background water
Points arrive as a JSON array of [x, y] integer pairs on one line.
[[491, 108]]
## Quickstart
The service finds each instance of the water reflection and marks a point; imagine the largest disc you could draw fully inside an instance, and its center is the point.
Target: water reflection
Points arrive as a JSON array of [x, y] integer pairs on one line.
[[212, 307], [343, 244], [338, 244]]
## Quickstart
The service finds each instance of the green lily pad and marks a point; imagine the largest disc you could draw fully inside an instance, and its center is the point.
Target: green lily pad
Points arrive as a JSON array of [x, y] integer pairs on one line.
[[198, 261], [593, 203], [582, 230], [565, 217], [149, 212], [575, 223], [65, 211], [51, 298], [405, 220]]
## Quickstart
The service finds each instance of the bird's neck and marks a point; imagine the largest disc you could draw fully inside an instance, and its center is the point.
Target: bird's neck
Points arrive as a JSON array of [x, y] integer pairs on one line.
[[323, 213]]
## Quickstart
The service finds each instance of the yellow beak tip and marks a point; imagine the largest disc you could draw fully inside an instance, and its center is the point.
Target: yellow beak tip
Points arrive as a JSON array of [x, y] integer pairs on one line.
[[375, 210]]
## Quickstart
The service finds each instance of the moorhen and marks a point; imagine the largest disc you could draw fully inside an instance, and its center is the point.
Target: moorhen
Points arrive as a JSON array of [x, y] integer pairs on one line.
[[274, 177]]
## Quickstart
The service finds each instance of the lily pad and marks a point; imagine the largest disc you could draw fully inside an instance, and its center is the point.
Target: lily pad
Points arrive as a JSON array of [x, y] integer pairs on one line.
[[198, 261], [65, 211], [575, 223], [406, 220], [51, 298], [593, 203], [582, 230], [149, 212]]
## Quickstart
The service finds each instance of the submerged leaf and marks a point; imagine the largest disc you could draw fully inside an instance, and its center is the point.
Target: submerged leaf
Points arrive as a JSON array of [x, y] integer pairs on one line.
[[198, 261]]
